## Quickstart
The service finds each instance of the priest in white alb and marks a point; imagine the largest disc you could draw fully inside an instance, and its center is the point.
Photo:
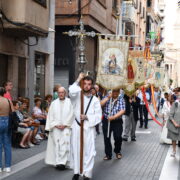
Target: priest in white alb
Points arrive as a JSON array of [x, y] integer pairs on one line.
[[59, 122], [91, 117]]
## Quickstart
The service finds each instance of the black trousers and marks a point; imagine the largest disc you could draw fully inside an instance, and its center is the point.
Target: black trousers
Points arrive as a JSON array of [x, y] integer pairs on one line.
[[116, 128], [143, 112]]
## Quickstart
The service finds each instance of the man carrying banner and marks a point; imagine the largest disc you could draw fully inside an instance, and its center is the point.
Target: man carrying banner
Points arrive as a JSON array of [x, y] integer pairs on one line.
[[91, 117], [114, 108]]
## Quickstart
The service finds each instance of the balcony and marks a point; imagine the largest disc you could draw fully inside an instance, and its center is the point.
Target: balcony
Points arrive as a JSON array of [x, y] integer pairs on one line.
[[128, 11], [99, 14], [24, 18]]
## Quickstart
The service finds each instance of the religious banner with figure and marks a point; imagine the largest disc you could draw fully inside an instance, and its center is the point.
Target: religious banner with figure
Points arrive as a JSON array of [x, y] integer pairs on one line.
[[159, 77], [149, 70], [135, 71], [112, 67]]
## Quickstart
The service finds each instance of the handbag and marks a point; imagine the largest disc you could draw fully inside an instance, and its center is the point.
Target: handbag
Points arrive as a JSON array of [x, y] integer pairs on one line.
[[35, 124]]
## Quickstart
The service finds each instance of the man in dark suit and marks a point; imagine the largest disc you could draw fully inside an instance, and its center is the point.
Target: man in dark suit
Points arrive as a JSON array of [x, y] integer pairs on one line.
[[131, 116]]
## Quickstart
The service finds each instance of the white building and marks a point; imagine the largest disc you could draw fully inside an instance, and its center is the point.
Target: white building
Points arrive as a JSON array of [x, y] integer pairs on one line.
[[171, 43]]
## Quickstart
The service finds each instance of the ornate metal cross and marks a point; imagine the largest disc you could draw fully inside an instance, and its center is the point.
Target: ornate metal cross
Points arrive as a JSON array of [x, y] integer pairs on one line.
[[81, 33]]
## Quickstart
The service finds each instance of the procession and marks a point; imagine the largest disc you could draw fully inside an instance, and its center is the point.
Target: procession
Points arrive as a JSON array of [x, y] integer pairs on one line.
[[92, 93]]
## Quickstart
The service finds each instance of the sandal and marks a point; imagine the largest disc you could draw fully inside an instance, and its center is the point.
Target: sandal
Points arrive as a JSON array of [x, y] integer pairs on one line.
[[23, 147], [119, 156], [107, 158]]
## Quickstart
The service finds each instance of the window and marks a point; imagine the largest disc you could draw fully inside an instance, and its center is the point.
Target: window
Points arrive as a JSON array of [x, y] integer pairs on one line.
[[39, 74], [149, 3], [140, 6], [114, 5], [42, 2]]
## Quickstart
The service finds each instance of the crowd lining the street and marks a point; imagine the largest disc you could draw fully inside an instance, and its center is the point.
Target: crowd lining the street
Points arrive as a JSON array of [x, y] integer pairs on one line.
[[20, 128]]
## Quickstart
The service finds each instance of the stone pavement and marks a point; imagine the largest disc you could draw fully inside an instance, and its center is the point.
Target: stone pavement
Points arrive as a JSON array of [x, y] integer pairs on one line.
[[142, 160]]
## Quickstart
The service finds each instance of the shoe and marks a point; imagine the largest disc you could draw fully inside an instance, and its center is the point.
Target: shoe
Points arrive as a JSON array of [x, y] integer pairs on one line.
[[133, 139], [118, 156], [23, 147], [30, 144], [146, 127], [0, 170], [75, 177], [173, 154], [178, 143], [36, 143], [106, 158], [140, 126], [86, 178], [60, 167], [125, 139], [8, 169], [38, 137]]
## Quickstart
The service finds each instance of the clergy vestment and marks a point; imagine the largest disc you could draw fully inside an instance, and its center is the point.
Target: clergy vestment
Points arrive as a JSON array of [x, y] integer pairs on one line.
[[94, 115], [58, 147]]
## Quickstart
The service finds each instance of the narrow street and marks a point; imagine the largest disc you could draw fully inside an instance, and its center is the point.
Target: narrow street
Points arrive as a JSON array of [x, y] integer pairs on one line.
[[142, 160]]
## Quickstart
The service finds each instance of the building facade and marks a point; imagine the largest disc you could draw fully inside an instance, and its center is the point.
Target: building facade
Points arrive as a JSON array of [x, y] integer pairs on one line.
[[134, 21], [27, 46], [171, 42], [97, 15]]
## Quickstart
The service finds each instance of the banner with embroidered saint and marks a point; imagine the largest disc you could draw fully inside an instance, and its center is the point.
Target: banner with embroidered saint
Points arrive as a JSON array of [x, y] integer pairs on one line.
[[112, 65]]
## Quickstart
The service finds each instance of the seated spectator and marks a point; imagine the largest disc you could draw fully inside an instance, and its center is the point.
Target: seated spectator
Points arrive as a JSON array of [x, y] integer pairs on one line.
[[39, 116], [23, 127], [24, 110]]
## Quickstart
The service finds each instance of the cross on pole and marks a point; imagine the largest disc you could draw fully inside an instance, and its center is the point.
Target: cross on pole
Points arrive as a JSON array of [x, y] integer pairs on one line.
[[81, 34]]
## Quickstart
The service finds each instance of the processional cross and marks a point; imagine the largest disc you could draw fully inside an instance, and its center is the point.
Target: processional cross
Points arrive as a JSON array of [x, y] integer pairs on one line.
[[81, 34]]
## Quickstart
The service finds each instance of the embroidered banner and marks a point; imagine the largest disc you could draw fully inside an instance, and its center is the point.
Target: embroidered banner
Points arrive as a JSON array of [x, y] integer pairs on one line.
[[159, 77], [135, 71], [149, 68], [112, 67]]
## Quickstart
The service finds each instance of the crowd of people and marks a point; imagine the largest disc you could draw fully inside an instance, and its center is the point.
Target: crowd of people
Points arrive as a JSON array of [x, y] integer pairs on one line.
[[59, 116]]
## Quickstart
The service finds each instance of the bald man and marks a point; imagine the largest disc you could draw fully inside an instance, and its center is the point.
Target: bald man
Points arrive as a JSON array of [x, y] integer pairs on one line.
[[59, 121]]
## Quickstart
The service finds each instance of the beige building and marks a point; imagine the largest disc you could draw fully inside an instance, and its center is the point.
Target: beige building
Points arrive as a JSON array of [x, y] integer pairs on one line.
[[134, 21], [98, 16], [171, 43], [27, 46]]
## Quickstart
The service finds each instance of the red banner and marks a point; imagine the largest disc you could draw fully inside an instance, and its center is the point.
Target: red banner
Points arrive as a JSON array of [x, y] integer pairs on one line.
[[147, 106]]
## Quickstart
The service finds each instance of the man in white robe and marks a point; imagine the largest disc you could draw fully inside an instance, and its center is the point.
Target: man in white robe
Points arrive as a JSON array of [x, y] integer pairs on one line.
[[59, 122], [91, 119]]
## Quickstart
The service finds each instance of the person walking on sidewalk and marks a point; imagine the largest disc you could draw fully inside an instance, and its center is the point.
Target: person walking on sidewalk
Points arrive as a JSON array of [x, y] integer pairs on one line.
[[91, 117], [143, 110], [5, 133], [165, 115], [131, 117], [113, 109], [173, 124], [59, 122]]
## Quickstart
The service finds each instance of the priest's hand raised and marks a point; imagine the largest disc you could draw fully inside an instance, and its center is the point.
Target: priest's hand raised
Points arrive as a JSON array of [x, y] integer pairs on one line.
[[81, 76], [83, 117]]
